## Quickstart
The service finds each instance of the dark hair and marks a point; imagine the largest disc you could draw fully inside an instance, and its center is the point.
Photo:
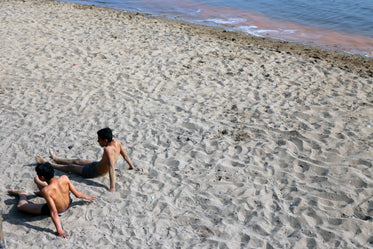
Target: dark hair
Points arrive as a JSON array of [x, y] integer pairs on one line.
[[105, 133], [46, 170]]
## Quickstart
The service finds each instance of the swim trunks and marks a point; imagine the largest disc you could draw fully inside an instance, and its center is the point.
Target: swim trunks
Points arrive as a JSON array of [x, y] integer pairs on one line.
[[89, 171], [45, 209]]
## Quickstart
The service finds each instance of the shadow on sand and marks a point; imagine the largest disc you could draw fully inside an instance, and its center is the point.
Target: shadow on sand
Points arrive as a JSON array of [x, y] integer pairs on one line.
[[16, 217]]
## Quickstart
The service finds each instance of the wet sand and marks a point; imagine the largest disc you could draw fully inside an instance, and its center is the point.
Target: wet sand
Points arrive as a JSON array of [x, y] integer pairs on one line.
[[264, 26], [241, 142]]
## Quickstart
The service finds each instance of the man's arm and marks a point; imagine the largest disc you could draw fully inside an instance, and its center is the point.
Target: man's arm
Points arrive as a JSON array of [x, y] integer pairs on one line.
[[78, 194], [126, 157], [111, 169], [54, 215]]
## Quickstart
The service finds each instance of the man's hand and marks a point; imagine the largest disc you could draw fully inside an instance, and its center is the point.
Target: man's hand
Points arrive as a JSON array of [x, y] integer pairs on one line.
[[90, 197], [62, 235]]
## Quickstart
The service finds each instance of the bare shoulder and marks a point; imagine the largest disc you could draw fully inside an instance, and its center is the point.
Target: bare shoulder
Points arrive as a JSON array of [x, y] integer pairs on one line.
[[117, 143], [64, 179], [48, 190], [45, 191], [114, 145]]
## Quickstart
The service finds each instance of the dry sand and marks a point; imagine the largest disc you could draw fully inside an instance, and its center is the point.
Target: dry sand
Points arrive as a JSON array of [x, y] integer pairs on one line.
[[242, 142]]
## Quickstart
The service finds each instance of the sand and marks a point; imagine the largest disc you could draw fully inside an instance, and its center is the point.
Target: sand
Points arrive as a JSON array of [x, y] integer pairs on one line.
[[241, 142]]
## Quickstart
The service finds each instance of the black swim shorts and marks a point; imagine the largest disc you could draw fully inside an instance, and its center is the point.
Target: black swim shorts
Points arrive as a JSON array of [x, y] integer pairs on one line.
[[89, 171]]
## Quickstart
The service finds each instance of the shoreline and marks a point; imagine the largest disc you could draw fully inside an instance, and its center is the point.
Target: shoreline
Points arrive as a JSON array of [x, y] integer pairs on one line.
[[263, 26], [241, 142], [344, 60]]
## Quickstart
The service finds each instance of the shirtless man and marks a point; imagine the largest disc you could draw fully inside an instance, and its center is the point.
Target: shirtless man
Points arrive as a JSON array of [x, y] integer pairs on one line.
[[89, 168], [56, 192]]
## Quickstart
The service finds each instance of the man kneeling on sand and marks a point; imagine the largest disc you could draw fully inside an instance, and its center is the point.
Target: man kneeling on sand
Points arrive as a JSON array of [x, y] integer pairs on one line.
[[56, 192], [91, 168]]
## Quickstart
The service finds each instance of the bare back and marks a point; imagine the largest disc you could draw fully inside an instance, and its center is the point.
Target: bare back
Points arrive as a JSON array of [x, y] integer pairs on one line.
[[109, 157], [59, 191]]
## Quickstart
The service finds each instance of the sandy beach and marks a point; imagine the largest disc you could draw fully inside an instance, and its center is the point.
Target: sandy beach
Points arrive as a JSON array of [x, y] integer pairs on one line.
[[241, 142]]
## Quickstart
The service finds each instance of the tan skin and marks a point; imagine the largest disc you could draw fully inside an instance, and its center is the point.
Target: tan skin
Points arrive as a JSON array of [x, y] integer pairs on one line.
[[109, 159], [56, 191]]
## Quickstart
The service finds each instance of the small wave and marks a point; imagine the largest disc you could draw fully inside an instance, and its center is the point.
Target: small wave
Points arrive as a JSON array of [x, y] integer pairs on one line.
[[253, 30], [229, 21]]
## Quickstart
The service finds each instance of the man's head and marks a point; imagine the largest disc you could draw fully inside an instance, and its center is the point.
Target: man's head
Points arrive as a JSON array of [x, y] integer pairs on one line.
[[105, 134], [45, 170]]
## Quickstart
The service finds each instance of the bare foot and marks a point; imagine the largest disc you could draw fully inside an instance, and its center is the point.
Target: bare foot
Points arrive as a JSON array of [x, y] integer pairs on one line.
[[52, 155], [40, 160], [17, 192]]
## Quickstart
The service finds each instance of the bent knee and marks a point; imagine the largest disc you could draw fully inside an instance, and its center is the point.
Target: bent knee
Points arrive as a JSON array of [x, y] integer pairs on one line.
[[41, 184], [21, 205], [36, 179]]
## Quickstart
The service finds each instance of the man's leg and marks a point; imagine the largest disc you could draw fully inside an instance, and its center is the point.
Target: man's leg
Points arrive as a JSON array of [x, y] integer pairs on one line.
[[40, 184], [71, 168], [63, 161], [25, 206]]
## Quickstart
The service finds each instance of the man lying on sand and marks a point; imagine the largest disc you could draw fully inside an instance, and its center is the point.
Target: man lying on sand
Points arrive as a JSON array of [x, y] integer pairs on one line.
[[56, 192], [90, 168]]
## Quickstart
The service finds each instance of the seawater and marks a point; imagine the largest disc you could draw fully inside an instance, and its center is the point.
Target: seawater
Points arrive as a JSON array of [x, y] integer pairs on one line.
[[345, 25]]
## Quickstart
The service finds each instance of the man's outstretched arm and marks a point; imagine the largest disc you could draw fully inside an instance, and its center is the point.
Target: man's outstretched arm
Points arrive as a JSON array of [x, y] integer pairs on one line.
[[126, 157], [78, 194], [109, 156], [54, 215]]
